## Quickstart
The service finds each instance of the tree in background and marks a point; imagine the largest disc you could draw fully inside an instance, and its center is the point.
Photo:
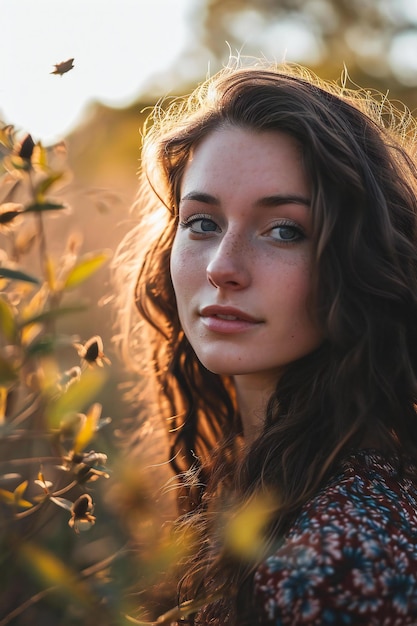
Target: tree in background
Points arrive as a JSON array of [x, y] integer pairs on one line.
[[375, 39]]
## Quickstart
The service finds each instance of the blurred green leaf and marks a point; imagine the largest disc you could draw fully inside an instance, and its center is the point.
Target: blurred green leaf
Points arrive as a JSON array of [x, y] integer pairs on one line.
[[89, 427], [8, 373], [46, 344], [77, 396], [7, 321], [89, 264], [7, 272], [46, 184], [41, 346], [37, 207], [45, 316], [53, 572]]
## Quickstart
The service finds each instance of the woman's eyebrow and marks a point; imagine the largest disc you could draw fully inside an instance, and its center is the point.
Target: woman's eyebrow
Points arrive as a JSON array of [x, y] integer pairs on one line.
[[200, 196], [278, 199], [268, 201]]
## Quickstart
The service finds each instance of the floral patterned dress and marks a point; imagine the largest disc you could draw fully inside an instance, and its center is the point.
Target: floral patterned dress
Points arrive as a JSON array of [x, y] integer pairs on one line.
[[351, 556]]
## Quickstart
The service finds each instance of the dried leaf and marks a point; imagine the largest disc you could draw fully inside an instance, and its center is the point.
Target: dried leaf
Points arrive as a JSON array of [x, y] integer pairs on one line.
[[63, 67]]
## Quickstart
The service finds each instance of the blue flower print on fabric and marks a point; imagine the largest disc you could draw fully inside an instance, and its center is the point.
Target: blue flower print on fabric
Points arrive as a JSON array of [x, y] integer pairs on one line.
[[351, 556]]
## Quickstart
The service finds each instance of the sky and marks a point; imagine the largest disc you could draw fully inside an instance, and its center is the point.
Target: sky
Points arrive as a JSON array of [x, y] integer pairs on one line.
[[116, 45], [119, 45]]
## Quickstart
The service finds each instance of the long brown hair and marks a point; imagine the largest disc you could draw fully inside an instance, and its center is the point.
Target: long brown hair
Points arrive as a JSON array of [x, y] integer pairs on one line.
[[358, 154]]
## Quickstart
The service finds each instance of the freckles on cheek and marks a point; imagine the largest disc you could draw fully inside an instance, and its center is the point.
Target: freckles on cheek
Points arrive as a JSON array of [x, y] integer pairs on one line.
[[182, 271], [180, 267], [185, 259]]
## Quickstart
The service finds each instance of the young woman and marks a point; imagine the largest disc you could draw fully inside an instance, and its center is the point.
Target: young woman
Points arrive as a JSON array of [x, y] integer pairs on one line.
[[278, 293]]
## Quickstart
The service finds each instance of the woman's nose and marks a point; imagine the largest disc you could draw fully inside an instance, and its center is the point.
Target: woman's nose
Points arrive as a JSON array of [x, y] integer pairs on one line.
[[229, 266]]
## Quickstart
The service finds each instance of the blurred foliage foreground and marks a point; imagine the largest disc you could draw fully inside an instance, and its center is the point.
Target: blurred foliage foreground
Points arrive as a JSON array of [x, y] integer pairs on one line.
[[54, 479]]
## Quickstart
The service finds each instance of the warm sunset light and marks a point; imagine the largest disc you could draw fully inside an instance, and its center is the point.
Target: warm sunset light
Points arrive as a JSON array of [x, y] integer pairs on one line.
[[116, 45]]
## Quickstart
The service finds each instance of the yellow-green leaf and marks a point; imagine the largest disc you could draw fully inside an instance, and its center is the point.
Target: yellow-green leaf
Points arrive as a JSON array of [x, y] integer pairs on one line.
[[7, 136], [77, 396], [7, 496], [46, 184], [8, 373], [40, 156], [52, 572], [87, 266], [244, 530], [4, 392], [50, 273], [88, 428], [14, 498], [18, 494], [7, 321]]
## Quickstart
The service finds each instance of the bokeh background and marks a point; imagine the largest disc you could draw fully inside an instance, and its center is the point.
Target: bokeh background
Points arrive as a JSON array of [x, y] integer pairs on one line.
[[128, 54]]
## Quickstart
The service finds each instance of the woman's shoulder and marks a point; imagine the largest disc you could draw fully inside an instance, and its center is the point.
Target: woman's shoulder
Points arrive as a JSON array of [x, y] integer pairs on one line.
[[351, 555], [369, 485]]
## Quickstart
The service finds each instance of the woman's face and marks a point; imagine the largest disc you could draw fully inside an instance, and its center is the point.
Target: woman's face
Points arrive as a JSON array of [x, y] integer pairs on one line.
[[241, 259]]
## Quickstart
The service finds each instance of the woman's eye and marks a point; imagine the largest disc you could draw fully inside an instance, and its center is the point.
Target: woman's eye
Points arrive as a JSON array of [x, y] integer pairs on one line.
[[286, 233], [200, 225]]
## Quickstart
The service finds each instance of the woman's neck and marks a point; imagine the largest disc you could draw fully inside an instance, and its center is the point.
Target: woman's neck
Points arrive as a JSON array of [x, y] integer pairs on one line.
[[252, 395]]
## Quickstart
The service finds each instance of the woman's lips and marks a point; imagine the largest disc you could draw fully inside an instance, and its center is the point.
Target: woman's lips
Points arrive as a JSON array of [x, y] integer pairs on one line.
[[227, 319]]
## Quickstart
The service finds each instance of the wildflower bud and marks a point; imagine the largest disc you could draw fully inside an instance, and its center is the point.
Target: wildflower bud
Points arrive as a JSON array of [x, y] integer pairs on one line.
[[70, 376], [26, 148], [92, 351], [82, 505], [82, 517], [95, 458], [77, 457], [9, 211]]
